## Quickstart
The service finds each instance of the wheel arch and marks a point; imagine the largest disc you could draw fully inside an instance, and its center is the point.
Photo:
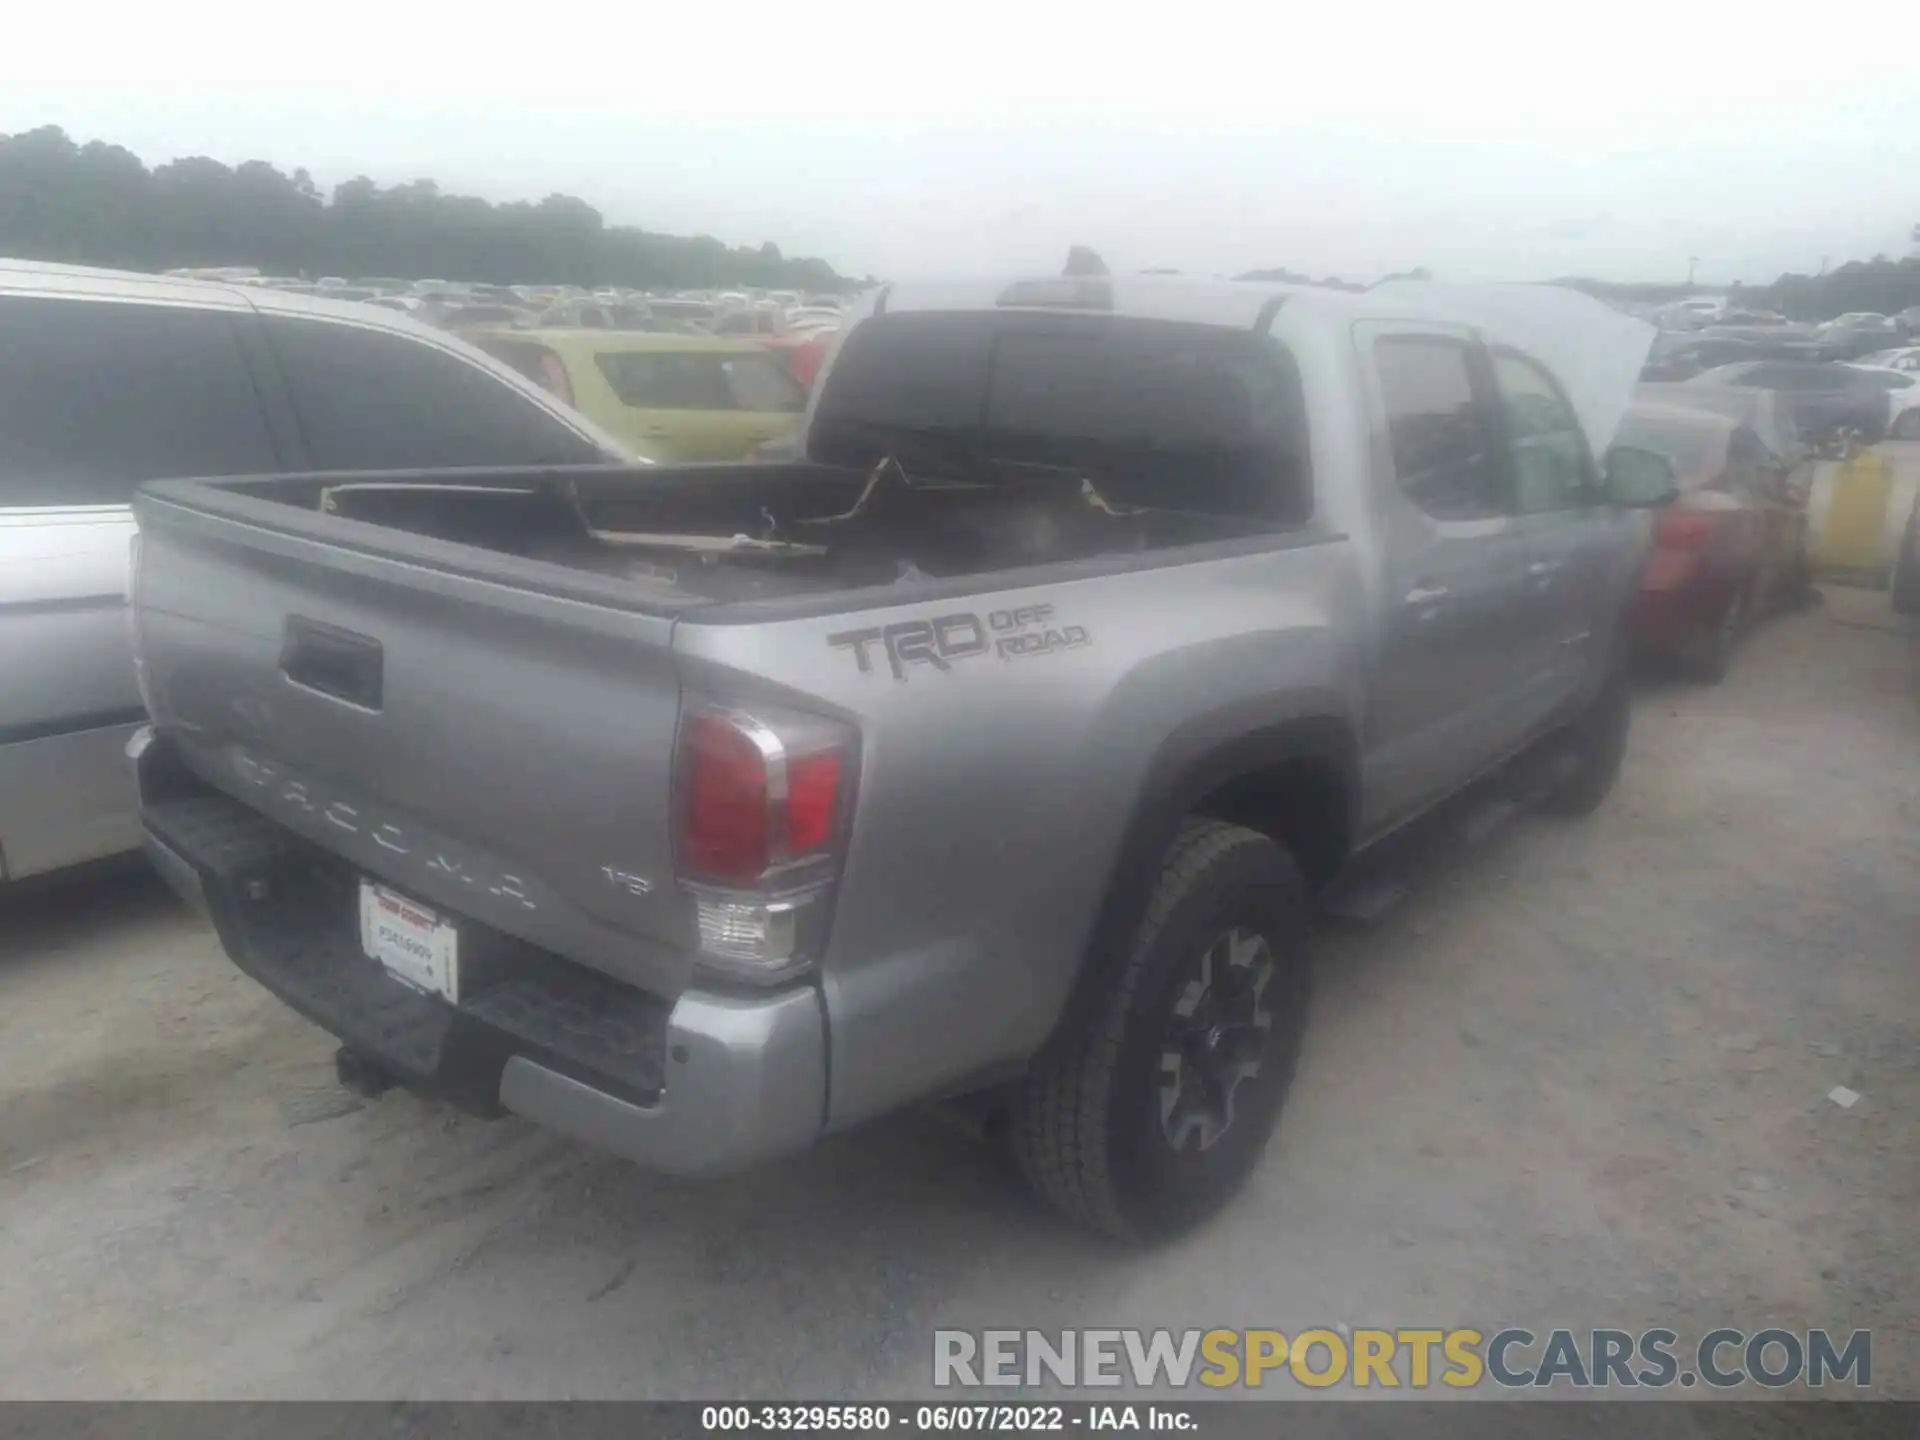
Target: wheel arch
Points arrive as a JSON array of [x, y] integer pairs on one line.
[[1292, 776]]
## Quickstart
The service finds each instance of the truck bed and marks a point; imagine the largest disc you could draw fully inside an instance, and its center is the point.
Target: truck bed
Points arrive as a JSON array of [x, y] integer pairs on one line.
[[469, 683], [674, 537]]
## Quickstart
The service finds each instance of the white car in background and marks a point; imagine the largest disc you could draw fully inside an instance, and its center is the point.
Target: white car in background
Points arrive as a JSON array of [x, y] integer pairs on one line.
[[1906, 357], [110, 379], [1903, 397]]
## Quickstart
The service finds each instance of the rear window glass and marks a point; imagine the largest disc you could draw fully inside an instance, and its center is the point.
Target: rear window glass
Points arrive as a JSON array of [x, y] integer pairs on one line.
[[1155, 413], [1881, 381], [535, 361], [696, 380], [762, 383], [482, 315], [1694, 449], [378, 400], [1732, 403], [1790, 377], [681, 309]]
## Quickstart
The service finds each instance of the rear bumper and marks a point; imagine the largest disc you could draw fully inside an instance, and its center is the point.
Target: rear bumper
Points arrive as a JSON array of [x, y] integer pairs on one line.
[[707, 1083]]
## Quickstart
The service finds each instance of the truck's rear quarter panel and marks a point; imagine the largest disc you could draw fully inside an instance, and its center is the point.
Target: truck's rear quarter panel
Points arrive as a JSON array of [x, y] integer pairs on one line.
[[995, 792]]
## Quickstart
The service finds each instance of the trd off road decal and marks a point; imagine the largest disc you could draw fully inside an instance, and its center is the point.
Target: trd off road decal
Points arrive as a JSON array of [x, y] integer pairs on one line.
[[1010, 634]]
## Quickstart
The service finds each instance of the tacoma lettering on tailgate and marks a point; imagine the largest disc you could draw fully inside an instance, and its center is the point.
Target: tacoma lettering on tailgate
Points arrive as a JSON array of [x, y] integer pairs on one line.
[[283, 793], [1010, 634]]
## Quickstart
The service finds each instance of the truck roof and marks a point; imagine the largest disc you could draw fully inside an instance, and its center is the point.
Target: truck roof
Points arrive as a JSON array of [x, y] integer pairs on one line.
[[1594, 351]]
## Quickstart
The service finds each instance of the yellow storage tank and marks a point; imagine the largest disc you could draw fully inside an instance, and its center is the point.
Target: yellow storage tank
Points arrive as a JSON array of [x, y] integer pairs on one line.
[[1857, 509]]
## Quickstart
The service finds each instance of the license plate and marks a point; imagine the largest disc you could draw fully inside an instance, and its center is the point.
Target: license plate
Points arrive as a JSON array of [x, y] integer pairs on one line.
[[415, 945]]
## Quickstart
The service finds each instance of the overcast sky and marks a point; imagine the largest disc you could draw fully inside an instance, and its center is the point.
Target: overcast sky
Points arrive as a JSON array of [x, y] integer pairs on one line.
[[1486, 141]]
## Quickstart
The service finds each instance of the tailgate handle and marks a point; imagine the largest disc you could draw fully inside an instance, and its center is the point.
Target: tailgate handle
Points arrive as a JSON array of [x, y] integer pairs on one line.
[[335, 662]]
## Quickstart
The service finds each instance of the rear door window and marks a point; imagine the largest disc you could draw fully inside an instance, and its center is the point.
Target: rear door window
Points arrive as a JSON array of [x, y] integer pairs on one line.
[[1794, 377], [535, 361], [1545, 446], [761, 383], [666, 380], [1749, 473], [373, 400], [97, 396], [1442, 450], [701, 380], [1877, 379], [1694, 447]]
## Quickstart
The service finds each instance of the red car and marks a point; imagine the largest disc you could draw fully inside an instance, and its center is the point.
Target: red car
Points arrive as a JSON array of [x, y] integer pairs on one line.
[[1729, 550]]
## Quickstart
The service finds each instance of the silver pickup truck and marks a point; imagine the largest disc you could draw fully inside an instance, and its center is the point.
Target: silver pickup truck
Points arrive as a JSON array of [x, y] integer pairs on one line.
[[994, 748]]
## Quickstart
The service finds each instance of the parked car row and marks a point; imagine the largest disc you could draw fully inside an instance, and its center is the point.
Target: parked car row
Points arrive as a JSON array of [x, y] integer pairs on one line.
[[1700, 334], [1901, 357], [1743, 438], [1871, 401], [1867, 399], [111, 379], [108, 380], [794, 326], [1732, 545]]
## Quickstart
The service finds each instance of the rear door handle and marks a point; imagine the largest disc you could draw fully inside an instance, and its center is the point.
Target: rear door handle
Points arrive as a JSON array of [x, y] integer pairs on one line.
[[1426, 596], [1541, 571]]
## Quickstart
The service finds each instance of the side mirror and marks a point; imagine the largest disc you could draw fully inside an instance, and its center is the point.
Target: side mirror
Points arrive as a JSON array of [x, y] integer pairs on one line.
[[1640, 479]]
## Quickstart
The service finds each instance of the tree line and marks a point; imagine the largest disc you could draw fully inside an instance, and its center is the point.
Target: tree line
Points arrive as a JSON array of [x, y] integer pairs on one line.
[[1883, 285], [99, 204]]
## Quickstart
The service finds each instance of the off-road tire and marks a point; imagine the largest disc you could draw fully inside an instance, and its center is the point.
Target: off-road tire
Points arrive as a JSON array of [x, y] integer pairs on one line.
[[1903, 585], [1598, 743], [1086, 1127], [1713, 655]]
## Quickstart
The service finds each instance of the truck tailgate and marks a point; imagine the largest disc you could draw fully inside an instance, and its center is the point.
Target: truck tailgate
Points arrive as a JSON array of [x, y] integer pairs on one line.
[[501, 752]]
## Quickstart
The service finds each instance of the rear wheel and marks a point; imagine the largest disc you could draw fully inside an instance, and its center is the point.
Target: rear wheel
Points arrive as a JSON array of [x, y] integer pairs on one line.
[[1713, 655], [1905, 584], [1153, 1103], [1598, 744], [1907, 427]]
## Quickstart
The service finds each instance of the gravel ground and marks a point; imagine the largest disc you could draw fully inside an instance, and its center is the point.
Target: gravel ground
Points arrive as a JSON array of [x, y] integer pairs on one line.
[[1579, 1076]]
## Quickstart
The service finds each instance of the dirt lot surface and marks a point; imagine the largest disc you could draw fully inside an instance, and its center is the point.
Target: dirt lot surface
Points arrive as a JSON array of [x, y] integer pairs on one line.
[[1579, 1076]]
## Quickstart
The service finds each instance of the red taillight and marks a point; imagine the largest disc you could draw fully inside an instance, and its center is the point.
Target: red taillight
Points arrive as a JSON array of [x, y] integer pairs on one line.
[[724, 829], [756, 797], [813, 791], [1683, 529]]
